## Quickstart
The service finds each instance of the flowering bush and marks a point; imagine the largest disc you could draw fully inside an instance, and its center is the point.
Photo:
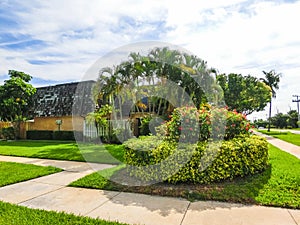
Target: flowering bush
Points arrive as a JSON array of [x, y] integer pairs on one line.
[[195, 159], [236, 124], [187, 124], [238, 157], [183, 125]]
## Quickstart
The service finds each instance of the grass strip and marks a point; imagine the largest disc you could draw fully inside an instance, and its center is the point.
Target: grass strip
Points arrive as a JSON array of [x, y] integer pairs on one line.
[[284, 136], [13, 214], [16, 172]]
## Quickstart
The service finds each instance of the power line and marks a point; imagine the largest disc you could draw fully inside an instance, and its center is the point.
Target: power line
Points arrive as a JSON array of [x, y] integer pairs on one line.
[[297, 100]]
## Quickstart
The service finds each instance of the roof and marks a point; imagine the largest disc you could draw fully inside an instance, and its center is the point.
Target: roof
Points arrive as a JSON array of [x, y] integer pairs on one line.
[[63, 99]]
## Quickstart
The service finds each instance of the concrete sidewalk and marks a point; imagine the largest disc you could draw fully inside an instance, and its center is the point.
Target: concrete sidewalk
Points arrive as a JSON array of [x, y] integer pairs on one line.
[[283, 145], [51, 193]]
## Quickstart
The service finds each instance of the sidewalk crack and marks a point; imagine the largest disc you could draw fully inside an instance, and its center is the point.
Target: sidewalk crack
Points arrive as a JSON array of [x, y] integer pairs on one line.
[[292, 217], [102, 203], [187, 208], [40, 195]]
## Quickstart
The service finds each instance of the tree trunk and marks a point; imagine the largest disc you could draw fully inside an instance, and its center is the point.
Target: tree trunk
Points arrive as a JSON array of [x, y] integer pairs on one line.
[[159, 106], [270, 110], [16, 126]]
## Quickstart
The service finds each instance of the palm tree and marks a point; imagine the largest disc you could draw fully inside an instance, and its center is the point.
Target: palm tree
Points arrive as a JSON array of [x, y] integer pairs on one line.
[[272, 80]]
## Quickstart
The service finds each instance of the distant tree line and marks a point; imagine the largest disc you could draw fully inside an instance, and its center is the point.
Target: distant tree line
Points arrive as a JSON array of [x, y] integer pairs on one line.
[[280, 120]]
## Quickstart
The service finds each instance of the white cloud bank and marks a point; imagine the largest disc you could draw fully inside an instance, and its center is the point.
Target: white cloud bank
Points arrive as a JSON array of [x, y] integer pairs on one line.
[[233, 36]]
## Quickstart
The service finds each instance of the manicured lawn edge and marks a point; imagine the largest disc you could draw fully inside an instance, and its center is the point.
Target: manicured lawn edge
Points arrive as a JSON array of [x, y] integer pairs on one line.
[[61, 150], [12, 172], [284, 136], [277, 186], [20, 215]]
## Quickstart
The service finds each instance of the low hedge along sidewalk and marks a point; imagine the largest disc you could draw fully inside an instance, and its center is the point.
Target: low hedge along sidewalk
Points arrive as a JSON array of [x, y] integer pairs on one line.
[[200, 163], [54, 135]]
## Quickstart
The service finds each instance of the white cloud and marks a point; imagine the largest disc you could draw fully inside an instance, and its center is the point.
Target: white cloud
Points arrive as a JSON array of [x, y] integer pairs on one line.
[[233, 36]]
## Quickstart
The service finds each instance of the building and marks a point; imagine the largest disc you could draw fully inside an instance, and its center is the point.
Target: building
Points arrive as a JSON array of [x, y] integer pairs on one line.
[[60, 107]]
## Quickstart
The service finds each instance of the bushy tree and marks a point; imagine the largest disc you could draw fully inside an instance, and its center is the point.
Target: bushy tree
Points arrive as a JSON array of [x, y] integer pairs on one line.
[[15, 98], [293, 118], [246, 94], [280, 120], [289, 119], [261, 123]]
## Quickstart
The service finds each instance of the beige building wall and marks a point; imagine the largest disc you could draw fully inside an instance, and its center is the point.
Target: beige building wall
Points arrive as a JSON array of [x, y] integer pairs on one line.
[[5, 124], [49, 123]]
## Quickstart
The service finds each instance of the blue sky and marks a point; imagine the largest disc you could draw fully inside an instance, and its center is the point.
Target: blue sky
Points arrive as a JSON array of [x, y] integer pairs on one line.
[[57, 41]]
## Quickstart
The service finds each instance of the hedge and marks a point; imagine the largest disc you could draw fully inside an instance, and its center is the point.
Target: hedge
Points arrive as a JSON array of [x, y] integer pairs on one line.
[[63, 135], [54, 135], [8, 133], [238, 157], [39, 134]]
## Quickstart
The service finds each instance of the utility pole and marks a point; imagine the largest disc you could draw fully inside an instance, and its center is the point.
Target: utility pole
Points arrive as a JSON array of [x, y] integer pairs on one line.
[[297, 100]]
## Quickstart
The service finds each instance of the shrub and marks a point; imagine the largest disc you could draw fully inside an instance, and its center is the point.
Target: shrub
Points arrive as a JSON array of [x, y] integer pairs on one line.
[[139, 150], [144, 128], [39, 134], [8, 133], [261, 123], [54, 135], [63, 135], [237, 157], [149, 123]]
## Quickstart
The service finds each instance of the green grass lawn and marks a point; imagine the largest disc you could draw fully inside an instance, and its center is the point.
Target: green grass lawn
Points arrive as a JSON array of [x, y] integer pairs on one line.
[[285, 136], [13, 214], [16, 172], [109, 153], [277, 186], [19, 215]]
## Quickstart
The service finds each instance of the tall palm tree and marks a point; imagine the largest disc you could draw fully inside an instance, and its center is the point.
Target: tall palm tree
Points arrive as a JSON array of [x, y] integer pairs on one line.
[[272, 80]]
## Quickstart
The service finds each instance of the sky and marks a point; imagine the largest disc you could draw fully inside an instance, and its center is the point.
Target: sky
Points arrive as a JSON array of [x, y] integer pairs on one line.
[[57, 41]]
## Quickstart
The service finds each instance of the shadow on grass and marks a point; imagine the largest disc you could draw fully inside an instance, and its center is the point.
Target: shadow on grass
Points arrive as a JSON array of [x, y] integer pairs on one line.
[[109, 154], [240, 190], [102, 153], [34, 143], [59, 154], [88, 153]]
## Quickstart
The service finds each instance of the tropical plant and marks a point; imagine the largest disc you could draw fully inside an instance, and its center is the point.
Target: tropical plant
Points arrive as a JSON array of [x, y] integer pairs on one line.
[[146, 82], [271, 79], [100, 116]]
